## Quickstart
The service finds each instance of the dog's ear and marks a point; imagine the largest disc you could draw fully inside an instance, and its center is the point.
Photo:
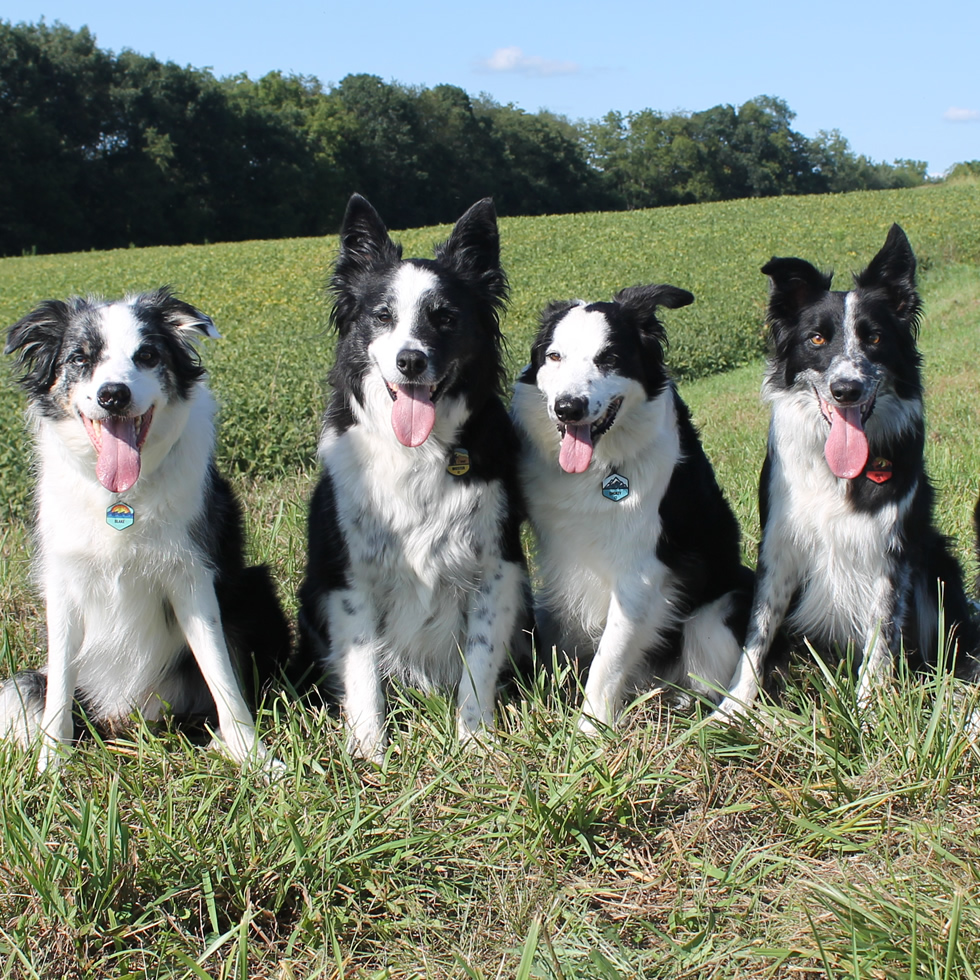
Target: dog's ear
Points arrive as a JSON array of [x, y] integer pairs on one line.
[[364, 239], [472, 252], [893, 271], [189, 322], [793, 283], [642, 302], [364, 244], [36, 339]]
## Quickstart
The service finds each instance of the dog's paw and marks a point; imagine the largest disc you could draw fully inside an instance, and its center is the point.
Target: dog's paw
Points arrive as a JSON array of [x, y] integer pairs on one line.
[[729, 712]]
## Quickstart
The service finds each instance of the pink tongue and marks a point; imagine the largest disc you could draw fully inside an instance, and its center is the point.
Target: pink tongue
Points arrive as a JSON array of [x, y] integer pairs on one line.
[[412, 414], [118, 465], [846, 448], [576, 448]]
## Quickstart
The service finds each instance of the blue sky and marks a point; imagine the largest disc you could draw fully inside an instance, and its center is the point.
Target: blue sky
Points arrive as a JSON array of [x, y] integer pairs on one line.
[[898, 79]]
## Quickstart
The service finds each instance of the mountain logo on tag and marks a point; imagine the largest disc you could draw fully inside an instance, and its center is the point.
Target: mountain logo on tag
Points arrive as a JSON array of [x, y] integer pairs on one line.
[[615, 487]]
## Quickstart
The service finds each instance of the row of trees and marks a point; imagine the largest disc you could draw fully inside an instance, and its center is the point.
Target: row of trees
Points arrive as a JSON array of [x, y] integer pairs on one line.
[[104, 150]]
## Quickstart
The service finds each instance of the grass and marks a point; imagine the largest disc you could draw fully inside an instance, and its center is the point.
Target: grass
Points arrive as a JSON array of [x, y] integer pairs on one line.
[[799, 845]]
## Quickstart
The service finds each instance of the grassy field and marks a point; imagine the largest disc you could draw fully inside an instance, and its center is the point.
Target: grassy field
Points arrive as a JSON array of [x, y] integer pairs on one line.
[[799, 846]]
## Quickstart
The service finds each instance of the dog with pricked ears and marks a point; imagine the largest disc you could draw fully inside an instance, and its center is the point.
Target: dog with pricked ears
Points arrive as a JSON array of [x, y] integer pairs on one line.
[[415, 570], [140, 557], [850, 554], [637, 550]]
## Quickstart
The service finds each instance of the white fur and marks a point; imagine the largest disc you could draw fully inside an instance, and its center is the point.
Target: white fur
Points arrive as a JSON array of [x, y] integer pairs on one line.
[[596, 558], [814, 538], [424, 562], [106, 590]]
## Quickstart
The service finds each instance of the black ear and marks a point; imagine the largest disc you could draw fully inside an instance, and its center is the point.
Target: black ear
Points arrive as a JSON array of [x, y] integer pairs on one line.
[[36, 339], [644, 300], [364, 244], [641, 304], [189, 322], [364, 240], [793, 284], [893, 270], [472, 252]]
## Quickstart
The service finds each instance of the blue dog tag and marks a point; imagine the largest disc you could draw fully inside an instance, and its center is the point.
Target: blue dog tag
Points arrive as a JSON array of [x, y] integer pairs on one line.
[[615, 487], [120, 516]]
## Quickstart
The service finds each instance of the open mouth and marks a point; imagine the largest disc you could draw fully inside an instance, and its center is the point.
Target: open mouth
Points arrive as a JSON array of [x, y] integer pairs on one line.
[[846, 449], [118, 442], [578, 441]]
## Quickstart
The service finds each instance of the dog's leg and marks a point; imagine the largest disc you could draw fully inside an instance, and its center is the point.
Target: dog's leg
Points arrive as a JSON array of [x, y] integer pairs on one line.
[[65, 636], [356, 651], [490, 627], [196, 607], [634, 620], [774, 590]]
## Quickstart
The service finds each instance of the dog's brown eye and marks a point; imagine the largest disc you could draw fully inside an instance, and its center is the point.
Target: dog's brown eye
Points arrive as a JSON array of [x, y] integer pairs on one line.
[[147, 357], [818, 339], [384, 316], [553, 356], [874, 338]]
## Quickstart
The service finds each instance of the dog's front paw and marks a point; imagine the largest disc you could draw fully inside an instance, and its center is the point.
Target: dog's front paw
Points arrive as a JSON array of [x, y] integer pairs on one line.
[[729, 712]]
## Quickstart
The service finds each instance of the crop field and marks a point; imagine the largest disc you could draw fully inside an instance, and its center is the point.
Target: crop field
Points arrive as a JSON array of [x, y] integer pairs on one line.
[[801, 844]]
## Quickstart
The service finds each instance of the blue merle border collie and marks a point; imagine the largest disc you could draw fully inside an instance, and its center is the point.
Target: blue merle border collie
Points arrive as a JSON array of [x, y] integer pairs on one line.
[[637, 549], [415, 570], [139, 541], [850, 553]]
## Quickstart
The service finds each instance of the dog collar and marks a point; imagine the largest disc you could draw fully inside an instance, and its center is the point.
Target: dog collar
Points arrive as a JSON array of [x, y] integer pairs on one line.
[[879, 470]]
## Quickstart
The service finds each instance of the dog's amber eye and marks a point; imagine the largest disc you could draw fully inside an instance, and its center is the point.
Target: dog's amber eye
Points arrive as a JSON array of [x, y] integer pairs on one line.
[[147, 357], [553, 355], [818, 339], [874, 338]]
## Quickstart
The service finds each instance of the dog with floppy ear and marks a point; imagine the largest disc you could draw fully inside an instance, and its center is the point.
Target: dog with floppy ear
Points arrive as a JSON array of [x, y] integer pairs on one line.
[[637, 549], [415, 569], [850, 553], [139, 541]]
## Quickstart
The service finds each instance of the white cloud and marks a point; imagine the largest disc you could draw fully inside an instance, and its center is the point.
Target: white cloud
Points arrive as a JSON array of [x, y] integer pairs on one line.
[[513, 59], [954, 114]]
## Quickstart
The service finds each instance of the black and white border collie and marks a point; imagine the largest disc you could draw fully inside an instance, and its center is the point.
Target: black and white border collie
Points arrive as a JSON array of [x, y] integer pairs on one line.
[[637, 549], [849, 552], [415, 568], [139, 541]]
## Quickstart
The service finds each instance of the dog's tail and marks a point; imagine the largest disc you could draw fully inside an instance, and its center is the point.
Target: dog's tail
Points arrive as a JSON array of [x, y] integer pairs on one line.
[[22, 705]]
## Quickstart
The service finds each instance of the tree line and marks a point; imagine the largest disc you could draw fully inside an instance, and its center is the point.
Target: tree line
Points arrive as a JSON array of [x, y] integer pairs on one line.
[[104, 150]]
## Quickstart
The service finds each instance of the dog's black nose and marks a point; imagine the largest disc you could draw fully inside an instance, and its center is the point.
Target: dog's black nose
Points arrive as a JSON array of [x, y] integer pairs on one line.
[[847, 391], [571, 408], [411, 362], [114, 397]]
